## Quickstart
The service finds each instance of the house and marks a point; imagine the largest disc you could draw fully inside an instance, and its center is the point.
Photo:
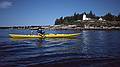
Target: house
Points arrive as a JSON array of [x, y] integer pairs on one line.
[[101, 19]]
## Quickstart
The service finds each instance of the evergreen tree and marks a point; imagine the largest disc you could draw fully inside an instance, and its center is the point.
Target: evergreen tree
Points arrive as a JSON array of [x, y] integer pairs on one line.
[[118, 17], [61, 20], [91, 15], [76, 16], [109, 17], [57, 22]]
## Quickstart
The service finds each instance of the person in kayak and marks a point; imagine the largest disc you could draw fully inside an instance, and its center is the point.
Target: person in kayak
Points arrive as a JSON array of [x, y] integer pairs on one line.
[[41, 32]]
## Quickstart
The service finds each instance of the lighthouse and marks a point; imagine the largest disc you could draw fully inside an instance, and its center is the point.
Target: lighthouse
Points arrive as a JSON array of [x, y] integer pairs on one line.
[[85, 18]]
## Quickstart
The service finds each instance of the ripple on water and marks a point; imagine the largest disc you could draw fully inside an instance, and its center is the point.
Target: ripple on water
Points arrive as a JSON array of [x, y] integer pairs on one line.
[[91, 48]]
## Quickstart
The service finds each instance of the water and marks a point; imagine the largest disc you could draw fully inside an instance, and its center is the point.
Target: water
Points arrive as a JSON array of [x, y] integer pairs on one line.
[[89, 49]]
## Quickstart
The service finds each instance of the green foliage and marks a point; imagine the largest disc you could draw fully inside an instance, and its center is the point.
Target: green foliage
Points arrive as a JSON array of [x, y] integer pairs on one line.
[[118, 17], [109, 17], [77, 18]]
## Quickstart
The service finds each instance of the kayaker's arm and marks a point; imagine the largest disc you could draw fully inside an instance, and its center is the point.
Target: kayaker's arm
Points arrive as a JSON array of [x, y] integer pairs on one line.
[[31, 32]]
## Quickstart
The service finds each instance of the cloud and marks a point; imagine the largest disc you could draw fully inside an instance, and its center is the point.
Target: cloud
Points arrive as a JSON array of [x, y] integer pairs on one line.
[[6, 4]]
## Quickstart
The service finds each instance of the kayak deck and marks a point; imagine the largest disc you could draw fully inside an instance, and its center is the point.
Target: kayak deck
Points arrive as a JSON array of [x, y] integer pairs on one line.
[[44, 36]]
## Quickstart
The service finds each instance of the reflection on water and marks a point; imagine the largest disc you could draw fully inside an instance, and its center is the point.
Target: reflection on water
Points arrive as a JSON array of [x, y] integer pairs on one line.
[[85, 41], [101, 35], [42, 42], [91, 48], [38, 42]]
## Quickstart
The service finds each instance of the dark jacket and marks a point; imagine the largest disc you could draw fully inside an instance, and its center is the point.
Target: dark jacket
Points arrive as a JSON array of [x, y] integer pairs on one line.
[[41, 31]]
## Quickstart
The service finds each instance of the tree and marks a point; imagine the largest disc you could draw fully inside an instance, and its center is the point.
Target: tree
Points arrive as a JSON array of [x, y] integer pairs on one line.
[[91, 15], [109, 17], [57, 22], [61, 20], [118, 17]]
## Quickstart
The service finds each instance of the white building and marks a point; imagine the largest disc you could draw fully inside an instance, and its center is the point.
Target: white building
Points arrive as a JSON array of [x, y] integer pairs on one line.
[[85, 18], [101, 19]]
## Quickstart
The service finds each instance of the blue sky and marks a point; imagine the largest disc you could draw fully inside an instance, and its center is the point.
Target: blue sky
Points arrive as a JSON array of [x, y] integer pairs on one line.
[[44, 12]]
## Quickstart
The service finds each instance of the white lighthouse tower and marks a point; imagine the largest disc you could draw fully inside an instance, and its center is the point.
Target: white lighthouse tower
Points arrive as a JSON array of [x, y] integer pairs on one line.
[[85, 18]]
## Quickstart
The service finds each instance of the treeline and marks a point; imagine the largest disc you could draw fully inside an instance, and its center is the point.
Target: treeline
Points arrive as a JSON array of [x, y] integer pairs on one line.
[[77, 17]]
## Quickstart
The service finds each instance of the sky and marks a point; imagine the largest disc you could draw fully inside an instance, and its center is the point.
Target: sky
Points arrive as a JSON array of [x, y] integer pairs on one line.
[[44, 12]]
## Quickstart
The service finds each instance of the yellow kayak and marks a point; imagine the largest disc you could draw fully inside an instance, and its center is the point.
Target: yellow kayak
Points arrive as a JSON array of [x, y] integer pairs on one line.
[[44, 36]]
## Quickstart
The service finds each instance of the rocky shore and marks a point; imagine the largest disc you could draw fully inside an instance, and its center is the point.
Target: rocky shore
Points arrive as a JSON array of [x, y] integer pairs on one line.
[[63, 27], [77, 27]]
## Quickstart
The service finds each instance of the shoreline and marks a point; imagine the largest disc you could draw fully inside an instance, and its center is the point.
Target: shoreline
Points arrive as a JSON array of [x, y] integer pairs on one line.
[[61, 27]]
